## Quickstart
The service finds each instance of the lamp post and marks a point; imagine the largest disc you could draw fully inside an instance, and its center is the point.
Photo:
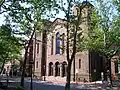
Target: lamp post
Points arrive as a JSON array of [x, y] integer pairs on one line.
[[44, 72], [31, 84]]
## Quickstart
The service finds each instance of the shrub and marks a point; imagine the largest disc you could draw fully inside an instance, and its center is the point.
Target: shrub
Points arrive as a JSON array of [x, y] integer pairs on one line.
[[19, 88]]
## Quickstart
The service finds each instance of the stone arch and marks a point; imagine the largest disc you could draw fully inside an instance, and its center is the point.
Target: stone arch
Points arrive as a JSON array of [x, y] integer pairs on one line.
[[64, 69], [50, 69], [57, 69]]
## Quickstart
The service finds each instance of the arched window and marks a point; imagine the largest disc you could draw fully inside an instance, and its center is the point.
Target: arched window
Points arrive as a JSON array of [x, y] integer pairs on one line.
[[37, 48], [57, 69], [64, 69], [57, 43], [52, 45], [63, 37], [79, 63], [50, 69], [36, 64]]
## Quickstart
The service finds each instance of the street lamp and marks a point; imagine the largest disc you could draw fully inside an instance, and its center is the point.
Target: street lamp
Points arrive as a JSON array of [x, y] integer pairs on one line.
[[31, 84], [44, 72]]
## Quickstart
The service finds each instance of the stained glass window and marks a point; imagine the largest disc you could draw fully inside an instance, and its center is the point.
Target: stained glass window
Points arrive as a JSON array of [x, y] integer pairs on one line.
[[57, 43]]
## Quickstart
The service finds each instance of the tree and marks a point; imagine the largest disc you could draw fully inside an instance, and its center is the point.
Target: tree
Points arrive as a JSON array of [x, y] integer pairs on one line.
[[9, 49], [73, 31], [24, 16], [105, 34]]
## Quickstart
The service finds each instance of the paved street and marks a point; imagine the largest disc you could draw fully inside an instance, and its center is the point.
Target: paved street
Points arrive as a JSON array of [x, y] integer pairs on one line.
[[44, 85], [52, 86]]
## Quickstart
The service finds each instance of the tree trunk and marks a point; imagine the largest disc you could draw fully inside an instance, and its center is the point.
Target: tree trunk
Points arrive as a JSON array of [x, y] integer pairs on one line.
[[25, 60], [68, 78], [110, 71], [2, 66], [24, 68], [105, 68], [74, 70]]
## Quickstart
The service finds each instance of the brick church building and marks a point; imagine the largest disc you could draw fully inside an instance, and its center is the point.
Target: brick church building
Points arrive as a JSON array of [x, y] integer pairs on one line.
[[50, 62]]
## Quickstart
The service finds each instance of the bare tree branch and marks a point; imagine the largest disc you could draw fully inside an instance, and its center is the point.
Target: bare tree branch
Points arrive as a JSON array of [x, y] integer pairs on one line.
[[2, 12]]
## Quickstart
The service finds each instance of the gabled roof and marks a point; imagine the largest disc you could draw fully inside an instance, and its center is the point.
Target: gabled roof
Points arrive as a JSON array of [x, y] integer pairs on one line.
[[58, 21]]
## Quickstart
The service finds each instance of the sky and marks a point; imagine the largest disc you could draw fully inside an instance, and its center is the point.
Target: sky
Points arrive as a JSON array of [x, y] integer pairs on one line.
[[2, 18], [60, 15]]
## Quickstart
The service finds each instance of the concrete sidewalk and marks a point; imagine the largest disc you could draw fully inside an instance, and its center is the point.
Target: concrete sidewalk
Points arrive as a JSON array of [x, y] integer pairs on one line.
[[90, 84], [74, 83]]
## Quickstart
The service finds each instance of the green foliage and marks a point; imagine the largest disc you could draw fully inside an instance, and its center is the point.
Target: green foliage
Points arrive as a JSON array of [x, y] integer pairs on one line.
[[9, 49], [117, 5], [19, 88], [96, 41], [24, 15], [104, 36]]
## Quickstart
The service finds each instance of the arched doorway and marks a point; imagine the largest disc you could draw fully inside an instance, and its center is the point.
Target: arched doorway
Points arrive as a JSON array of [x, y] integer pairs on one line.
[[57, 69], [50, 69], [64, 69]]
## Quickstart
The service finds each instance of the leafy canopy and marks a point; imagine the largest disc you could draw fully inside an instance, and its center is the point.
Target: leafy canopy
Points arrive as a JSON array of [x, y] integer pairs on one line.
[[9, 49], [105, 32]]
